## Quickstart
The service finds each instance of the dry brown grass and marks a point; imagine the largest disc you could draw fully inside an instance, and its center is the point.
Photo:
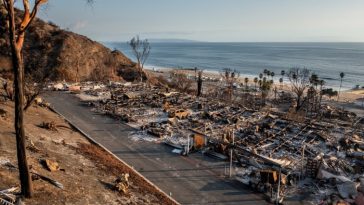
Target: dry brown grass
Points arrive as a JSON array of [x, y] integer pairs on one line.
[[107, 162]]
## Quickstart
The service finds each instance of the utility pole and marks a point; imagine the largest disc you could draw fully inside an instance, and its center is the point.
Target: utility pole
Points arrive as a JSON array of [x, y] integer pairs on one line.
[[231, 155], [302, 160], [231, 162], [199, 84], [279, 185], [188, 145], [195, 73]]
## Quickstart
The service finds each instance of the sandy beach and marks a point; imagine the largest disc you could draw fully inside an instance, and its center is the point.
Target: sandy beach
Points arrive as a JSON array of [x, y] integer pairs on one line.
[[346, 96]]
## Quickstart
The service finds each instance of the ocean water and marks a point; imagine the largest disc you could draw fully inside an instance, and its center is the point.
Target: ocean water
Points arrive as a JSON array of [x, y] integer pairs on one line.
[[325, 59]]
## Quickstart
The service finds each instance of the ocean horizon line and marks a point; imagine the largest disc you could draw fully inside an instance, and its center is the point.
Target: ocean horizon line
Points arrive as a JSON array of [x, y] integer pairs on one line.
[[324, 59], [197, 41]]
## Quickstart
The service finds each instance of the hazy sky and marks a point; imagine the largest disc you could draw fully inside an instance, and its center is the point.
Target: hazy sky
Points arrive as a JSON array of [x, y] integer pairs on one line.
[[212, 20]]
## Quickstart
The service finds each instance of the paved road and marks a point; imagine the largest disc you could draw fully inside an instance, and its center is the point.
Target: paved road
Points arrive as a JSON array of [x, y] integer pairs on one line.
[[191, 180], [357, 108]]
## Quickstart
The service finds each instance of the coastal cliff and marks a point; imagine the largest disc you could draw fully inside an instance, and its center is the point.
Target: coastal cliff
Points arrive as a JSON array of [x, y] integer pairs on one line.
[[65, 55]]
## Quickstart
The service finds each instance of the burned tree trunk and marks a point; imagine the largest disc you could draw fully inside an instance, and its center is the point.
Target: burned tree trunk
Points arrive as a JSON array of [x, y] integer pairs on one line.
[[199, 84], [299, 104], [25, 178]]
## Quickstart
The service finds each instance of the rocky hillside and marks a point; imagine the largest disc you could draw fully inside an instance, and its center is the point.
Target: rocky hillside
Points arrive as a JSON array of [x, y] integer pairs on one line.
[[65, 55]]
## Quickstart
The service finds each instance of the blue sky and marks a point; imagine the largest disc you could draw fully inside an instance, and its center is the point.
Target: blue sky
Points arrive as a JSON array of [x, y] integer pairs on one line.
[[212, 20]]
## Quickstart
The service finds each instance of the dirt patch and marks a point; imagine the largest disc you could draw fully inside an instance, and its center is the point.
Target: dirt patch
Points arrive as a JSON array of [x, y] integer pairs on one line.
[[107, 162]]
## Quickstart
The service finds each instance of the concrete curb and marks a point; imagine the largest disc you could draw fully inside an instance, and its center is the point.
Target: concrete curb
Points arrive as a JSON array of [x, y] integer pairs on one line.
[[122, 161]]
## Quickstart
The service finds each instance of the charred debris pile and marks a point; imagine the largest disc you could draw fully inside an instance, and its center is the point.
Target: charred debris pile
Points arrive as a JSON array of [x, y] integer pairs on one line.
[[276, 153]]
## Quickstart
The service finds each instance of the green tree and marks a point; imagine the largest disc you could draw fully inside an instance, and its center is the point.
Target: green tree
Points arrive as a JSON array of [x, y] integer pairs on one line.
[[329, 92]]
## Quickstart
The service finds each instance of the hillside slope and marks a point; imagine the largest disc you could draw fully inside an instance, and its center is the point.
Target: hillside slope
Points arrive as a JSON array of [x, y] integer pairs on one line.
[[65, 55]]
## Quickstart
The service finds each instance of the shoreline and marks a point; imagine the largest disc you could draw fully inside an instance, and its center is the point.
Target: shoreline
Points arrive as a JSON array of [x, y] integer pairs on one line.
[[215, 73], [347, 95]]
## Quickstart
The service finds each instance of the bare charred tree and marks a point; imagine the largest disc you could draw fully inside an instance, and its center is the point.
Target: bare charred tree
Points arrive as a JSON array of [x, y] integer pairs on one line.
[[180, 81], [300, 81], [8, 89], [16, 32], [35, 81], [17, 36], [199, 83], [141, 50]]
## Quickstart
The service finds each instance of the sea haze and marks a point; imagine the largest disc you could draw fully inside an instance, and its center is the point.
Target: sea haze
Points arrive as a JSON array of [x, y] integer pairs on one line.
[[325, 59]]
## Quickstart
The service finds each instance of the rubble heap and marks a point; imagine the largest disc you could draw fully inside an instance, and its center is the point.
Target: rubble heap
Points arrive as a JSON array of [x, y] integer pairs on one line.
[[274, 153]]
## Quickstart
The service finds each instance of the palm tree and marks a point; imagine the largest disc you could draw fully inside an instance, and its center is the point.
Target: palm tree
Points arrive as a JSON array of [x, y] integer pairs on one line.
[[272, 74], [246, 80], [281, 82], [342, 75], [268, 73], [265, 71], [314, 80], [283, 72], [261, 75], [255, 82], [321, 83], [294, 76]]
